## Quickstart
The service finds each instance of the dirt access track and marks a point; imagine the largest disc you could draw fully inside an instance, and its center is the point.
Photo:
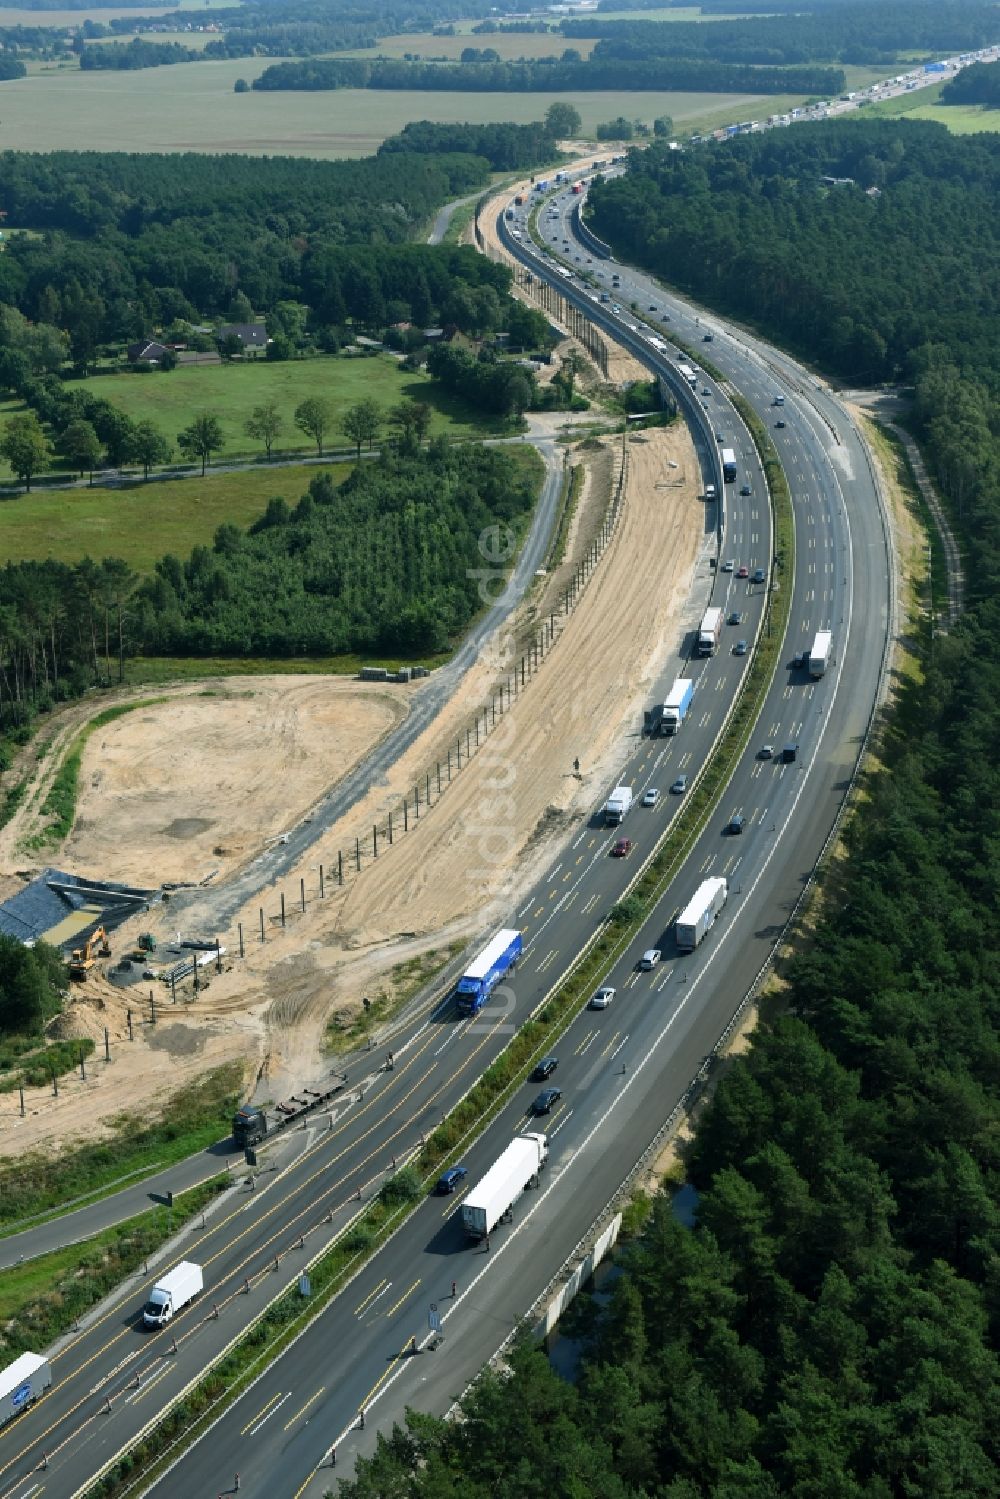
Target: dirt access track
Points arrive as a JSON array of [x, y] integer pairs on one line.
[[203, 780]]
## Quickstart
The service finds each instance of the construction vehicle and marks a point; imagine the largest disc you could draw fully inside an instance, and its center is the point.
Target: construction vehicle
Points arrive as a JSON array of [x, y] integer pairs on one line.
[[83, 958], [144, 946]]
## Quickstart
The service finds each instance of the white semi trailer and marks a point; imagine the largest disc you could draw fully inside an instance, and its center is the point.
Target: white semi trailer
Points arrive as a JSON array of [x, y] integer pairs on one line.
[[504, 1183], [22, 1383], [698, 916]]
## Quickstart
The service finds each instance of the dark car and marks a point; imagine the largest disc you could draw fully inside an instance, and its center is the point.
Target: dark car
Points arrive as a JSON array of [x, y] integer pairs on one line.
[[707, 338], [545, 1069], [758, 575], [622, 848], [799, 660], [451, 1179], [779, 424], [736, 618], [745, 489], [789, 753], [736, 824], [740, 648], [545, 1100]]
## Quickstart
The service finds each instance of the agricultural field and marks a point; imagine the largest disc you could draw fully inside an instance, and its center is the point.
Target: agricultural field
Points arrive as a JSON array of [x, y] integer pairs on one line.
[[230, 391], [142, 522], [925, 104], [14, 15], [510, 46], [192, 107]]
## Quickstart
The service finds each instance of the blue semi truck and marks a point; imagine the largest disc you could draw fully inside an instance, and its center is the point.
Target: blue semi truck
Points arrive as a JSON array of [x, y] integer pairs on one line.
[[486, 971]]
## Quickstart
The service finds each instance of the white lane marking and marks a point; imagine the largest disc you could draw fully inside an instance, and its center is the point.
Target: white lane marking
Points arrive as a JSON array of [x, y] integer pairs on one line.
[[254, 1429]]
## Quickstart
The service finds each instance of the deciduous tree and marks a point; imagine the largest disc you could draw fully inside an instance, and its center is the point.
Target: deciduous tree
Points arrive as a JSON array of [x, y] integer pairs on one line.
[[201, 439], [313, 416], [25, 447], [264, 424]]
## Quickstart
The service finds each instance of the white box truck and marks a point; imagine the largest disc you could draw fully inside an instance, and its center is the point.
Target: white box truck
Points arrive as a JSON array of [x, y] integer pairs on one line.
[[22, 1383], [698, 916], [709, 631], [819, 655], [674, 710], [179, 1286], [503, 1184], [617, 805]]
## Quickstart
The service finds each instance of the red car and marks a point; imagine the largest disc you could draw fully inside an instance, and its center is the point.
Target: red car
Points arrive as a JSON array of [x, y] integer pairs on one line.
[[744, 572], [622, 848]]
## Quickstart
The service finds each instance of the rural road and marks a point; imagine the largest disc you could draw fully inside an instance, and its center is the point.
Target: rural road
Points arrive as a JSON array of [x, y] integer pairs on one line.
[[444, 217], [213, 911]]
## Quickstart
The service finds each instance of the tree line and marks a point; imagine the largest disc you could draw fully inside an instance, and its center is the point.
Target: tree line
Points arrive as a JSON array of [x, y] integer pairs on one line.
[[979, 83], [547, 75], [138, 53], [850, 32], [384, 561], [507, 147]]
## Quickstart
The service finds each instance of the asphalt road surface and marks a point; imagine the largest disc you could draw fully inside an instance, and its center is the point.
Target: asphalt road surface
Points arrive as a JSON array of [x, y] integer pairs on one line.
[[621, 1070]]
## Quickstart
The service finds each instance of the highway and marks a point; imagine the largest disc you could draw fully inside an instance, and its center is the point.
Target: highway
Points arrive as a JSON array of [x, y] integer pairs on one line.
[[621, 1070]]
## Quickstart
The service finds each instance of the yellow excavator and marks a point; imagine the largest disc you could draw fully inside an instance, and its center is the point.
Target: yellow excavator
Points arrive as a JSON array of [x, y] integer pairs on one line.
[[84, 958]]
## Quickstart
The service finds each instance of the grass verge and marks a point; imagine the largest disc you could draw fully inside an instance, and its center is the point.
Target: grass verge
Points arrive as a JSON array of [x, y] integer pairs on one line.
[[42, 1299], [458, 223], [570, 500], [60, 801], [34, 1068], [344, 1032], [38, 1185], [12, 798]]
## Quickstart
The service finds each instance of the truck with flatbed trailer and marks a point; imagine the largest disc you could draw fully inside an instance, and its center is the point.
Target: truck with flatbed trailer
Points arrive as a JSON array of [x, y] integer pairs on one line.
[[517, 1169], [674, 710], [249, 1125], [172, 1293], [699, 915], [819, 654], [709, 632], [22, 1383], [483, 974], [617, 806]]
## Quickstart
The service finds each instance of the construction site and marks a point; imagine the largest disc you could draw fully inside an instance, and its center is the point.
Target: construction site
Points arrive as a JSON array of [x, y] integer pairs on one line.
[[190, 952]]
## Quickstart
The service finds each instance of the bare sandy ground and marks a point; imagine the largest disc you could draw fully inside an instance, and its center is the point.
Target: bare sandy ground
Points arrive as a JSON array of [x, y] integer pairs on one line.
[[457, 875], [181, 791]]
